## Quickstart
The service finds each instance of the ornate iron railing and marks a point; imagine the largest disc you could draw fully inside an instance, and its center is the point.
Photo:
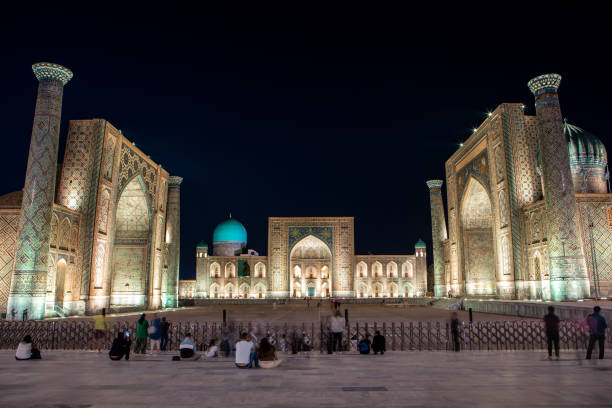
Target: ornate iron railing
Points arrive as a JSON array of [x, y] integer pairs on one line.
[[404, 336]]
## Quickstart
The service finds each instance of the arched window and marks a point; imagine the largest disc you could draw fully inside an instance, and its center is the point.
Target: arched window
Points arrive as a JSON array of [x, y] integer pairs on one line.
[[64, 234], [407, 270], [260, 270], [537, 268], [215, 270], [362, 270], [230, 270], [297, 272], [54, 231], [391, 270], [377, 269]]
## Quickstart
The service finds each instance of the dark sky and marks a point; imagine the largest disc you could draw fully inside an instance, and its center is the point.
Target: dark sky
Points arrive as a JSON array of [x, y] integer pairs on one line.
[[300, 111]]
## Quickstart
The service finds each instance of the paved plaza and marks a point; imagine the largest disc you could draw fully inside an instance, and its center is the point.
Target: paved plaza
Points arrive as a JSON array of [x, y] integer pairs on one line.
[[298, 313], [434, 379]]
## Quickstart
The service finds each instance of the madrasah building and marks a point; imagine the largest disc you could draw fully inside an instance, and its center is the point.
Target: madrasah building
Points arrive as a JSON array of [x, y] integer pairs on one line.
[[307, 257], [529, 208], [100, 230]]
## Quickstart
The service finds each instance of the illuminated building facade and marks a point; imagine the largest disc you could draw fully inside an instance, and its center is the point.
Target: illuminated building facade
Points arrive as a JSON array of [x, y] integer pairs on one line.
[[99, 230], [307, 257], [529, 211]]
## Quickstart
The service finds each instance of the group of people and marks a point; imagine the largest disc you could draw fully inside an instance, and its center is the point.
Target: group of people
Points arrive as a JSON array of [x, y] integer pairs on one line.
[[595, 326]]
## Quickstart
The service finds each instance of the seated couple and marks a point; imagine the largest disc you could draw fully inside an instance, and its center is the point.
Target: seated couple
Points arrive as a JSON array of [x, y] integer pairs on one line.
[[247, 356], [26, 350], [121, 347], [188, 349]]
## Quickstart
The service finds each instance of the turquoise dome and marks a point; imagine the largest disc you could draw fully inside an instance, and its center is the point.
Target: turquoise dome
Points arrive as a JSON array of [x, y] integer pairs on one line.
[[202, 244], [230, 230], [420, 244], [585, 149]]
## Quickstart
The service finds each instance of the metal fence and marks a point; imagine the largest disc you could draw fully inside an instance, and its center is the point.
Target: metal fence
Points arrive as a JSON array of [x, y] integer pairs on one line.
[[405, 336]]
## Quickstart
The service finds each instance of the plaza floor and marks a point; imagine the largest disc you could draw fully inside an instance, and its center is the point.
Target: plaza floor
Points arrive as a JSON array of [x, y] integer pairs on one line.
[[298, 313], [432, 379]]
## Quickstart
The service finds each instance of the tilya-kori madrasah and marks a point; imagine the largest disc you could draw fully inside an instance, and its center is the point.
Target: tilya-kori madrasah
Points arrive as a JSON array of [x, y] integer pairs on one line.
[[529, 209], [99, 230], [307, 257]]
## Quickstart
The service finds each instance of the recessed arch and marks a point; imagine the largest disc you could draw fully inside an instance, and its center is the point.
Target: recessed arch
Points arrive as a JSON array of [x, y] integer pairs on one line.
[[310, 258], [407, 270], [478, 244], [362, 270], [215, 270], [131, 244], [377, 270], [391, 270]]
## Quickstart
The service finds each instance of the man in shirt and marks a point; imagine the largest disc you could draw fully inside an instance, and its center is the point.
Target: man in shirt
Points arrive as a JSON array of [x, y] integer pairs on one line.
[[336, 326], [155, 333], [597, 328], [246, 355], [100, 329], [165, 330], [551, 325]]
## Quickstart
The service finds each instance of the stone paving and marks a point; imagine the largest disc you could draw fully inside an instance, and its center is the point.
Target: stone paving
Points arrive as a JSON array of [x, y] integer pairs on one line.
[[298, 313], [433, 379]]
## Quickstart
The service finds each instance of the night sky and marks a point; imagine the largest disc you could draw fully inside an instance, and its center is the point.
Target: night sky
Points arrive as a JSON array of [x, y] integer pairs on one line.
[[300, 111]]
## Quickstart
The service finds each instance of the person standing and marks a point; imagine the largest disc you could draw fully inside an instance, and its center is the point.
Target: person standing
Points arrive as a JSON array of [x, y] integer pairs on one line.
[[165, 330], [142, 333], [100, 329], [379, 344], [336, 327], [455, 331], [551, 325], [155, 333], [597, 329]]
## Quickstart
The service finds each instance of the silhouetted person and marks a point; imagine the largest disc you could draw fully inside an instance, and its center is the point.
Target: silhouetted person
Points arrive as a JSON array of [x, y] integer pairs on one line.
[[165, 330], [120, 347], [454, 326], [551, 325], [379, 344], [597, 330], [24, 315]]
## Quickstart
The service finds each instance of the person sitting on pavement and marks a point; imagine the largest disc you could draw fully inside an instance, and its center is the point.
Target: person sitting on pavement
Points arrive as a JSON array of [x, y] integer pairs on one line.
[[246, 354], [26, 350], [213, 350], [120, 347], [379, 343], [267, 354], [364, 345], [188, 349]]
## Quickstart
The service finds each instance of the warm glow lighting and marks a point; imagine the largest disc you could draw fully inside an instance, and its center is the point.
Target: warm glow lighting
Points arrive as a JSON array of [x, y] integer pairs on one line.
[[474, 130], [489, 114]]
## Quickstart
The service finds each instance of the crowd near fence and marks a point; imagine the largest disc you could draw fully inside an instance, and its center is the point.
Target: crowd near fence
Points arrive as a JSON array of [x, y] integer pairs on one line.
[[404, 336]]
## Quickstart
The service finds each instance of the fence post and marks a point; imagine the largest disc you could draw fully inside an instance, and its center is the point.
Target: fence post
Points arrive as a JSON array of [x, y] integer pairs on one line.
[[393, 336], [403, 335]]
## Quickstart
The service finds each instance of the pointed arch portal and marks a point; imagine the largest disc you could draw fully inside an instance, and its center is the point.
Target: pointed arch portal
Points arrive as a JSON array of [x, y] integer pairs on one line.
[[132, 239], [479, 254]]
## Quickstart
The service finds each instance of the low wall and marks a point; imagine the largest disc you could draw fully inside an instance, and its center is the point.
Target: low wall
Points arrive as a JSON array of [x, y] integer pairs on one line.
[[532, 309]]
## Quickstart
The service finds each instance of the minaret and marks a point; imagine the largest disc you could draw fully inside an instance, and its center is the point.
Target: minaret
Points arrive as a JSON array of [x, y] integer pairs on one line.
[[173, 239], [29, 283], [568, 276], [438, 232]]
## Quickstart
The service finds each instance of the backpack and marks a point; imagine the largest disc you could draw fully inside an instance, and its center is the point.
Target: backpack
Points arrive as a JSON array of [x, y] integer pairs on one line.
[[363, 346]]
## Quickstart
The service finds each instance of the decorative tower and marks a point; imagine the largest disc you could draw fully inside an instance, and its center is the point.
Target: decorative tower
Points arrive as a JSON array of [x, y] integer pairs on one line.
[[173, 239], [420, 252], [438, 232], [568, 276], [29, 283]]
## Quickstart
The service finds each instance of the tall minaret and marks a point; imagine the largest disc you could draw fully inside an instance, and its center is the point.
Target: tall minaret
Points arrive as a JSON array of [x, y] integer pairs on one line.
[[29, 283], [438, 233], [173, 239], [568, 276]]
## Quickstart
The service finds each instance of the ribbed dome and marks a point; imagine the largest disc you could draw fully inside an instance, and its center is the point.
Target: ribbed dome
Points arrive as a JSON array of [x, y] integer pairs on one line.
[[230, 230], [420, 244], [585, 149], [202, 244]]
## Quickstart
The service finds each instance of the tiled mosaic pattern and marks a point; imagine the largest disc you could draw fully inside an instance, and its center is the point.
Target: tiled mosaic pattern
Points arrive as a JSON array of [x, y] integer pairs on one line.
[[8, 238], [597, 243]]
